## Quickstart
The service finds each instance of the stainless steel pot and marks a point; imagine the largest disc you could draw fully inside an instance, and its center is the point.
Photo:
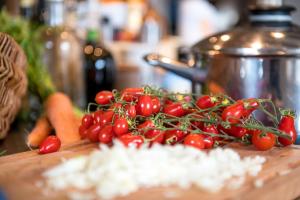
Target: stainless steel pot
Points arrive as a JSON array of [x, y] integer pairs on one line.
[[259, 59]]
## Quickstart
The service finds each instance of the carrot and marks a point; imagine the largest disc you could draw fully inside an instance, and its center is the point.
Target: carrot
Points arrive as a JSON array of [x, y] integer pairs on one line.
[[60, 113], [78, 121], [41, 130]]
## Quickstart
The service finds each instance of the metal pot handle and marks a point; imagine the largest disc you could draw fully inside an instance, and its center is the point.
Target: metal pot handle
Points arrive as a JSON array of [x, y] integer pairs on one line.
[[181, 69]]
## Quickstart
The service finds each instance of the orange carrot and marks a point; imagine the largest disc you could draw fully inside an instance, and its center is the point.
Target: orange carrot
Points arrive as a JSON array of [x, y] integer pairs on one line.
[[78, 121], [60, 113], [41, 130]]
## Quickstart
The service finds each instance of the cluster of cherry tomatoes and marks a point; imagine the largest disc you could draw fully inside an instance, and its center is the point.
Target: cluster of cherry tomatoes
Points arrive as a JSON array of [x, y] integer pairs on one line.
[[139, 115]]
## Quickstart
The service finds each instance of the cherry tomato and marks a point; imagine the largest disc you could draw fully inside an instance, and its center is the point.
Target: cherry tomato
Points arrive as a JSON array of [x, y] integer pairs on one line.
[[237, 131], [206, 101], [251, 131], [130, 110], [147, 124], [173, 136], [234, 131], [210, 128], [168, 101], [174, 109], [222, 129], [49, 145], [87, 120], [197, 125], [156, 136], [129, 97], [194, 140], [233, 113], [93, 132], [83, 131], [208, 142], [144, 106], [97, 116], [131, 94], [263, 142], [249, 106], [120, 126], [106, 117], [134, 91], [131, 140], [287, 125], [115, 106], [156, 105], [104, 97], [106, 134]]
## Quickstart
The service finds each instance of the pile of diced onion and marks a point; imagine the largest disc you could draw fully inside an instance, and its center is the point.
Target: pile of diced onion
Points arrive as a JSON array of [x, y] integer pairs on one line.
[[119, 171]]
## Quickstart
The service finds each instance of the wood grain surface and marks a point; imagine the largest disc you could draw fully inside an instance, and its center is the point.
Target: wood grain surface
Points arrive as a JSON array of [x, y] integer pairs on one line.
[[20, 175]]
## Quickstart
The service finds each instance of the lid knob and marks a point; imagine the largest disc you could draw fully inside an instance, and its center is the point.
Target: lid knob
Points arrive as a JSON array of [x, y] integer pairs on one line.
[[269, 3]]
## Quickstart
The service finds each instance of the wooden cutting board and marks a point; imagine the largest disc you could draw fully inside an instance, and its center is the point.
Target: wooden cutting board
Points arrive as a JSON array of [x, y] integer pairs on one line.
[[20, 175]]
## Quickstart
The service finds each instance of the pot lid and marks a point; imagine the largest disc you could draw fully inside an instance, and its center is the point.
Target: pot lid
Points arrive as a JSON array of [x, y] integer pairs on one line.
[[270, 32]]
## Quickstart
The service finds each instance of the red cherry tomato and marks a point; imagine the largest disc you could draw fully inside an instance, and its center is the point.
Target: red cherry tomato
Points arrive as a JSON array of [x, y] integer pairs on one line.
[[87, 120], [156, 105], [104, 97], [194, 140], [49, 145], [197, 125], [106, 134], [147, 124], [208, 142], [222, 129], [233, 113], [115, 106], [156, 136], [130, 110], [120, 126], [234, 131], [237, 131], [144, 106], [133, 91], [174, 109], [173, 136], [129, 97], [263, 142], [210, 128], [168, 101], [250, 132], [83, 131], [131, 140], [106, 117], [97, 116], [287, 125], [249, 106], [93, 132], [131, 94], [206, 101]]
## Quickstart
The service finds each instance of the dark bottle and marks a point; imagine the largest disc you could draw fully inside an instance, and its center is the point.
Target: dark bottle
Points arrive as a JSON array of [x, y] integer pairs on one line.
[[100, 68], [39, 17], [27, 9]]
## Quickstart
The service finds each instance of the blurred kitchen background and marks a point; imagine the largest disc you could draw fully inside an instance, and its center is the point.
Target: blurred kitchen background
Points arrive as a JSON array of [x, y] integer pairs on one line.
[[99, 44]]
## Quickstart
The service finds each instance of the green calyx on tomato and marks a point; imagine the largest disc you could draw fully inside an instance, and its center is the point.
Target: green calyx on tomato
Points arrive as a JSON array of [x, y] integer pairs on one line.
[[287, 112]]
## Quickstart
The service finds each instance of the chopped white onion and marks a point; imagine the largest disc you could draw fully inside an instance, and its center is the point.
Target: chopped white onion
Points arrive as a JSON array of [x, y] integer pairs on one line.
[[119, 171]]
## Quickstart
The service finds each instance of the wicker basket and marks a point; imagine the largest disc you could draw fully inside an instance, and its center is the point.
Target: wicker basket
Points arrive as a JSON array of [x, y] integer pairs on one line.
[[13, 81]]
